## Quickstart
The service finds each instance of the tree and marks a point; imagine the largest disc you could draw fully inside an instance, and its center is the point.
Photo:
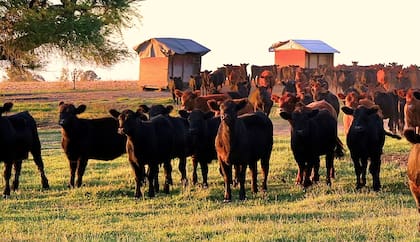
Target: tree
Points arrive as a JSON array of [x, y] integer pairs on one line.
[[84, 31]]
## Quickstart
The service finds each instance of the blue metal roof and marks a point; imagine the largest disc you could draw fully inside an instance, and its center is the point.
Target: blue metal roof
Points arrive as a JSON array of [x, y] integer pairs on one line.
[[169, 46], [316, 46], [310, 46]]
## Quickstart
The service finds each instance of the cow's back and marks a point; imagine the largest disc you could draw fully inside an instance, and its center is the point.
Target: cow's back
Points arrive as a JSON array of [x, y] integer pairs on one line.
[[259, 131], [321, 137], [94, 138]]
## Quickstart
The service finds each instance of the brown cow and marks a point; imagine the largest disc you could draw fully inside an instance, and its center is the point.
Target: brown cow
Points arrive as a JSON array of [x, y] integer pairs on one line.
[[241, 141], [192, 100], [412, 109], [413, 172]]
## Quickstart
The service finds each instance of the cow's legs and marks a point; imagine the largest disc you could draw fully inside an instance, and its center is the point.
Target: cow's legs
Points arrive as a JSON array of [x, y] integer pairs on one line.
[[204, 172], [374, 169], [358, 171], [73, 167], [168, 175], [242, 174], [153, 172], [18, 167], [194, 173], [81, 167], [265, 167], [36, 153], [183, 170], [7, 174], [364, 170], [254, 173], [226, 171], [329, 163], [315, 170]]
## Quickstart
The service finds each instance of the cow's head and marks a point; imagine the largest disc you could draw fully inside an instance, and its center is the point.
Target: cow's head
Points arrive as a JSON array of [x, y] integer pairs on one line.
[[160, 109], [127, 120], [68, 113], [228, 110], [361, 116], [6, 107], [287, 102], [300, 119]]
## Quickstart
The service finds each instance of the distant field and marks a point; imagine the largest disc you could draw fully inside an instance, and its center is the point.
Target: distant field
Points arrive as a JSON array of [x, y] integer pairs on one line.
[[104, 208]]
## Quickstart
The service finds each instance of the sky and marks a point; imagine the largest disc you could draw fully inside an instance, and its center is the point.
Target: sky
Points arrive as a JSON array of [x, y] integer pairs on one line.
[[241, 31]]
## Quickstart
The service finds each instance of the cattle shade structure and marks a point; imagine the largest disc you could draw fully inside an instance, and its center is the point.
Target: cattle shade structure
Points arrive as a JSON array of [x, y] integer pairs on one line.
[[162, 58], [303, 53]]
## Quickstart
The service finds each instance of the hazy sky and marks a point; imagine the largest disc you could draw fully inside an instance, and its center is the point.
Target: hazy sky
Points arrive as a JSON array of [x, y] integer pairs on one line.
[[241, 31]]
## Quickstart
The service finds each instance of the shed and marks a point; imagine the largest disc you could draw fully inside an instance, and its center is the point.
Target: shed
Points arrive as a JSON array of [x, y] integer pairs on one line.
[[304, 53], [162, 58]]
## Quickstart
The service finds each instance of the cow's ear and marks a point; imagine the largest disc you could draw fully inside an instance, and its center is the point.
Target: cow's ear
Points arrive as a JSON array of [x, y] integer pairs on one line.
[[372, 110], [313, 113], [241, 104], [285, 115], [80, 109], [213, 105], [61, 103], [416, 94], [208, 115], [144, 108], [114, 113], [183, 113], [169, 109], [347, 110], [7, 107], [341, 96]]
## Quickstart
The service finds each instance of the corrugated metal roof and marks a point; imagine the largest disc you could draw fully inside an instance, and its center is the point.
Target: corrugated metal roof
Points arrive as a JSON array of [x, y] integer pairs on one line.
[[310, 46], [169, 46]]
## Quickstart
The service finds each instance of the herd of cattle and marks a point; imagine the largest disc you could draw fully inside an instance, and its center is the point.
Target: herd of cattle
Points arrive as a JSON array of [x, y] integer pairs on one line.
[[234, 128]]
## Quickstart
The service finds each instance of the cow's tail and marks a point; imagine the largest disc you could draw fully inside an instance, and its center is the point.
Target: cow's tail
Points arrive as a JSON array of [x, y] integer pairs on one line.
[[339, 148], [395, 136], [412, 136]]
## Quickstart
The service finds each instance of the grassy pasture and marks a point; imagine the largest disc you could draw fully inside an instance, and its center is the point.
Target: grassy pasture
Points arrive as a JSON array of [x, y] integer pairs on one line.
[[104, 208]]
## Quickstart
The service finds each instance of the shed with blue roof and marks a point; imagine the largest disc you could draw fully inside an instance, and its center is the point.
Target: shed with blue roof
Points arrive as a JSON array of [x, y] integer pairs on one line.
[[303, 53], [162, 58]]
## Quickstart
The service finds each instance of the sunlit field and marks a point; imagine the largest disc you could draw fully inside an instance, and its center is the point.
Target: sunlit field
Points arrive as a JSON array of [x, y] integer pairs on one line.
[[104, 208]]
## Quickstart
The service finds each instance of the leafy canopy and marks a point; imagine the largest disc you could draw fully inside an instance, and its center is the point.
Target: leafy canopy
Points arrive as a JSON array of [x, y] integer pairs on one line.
[[79, 30]]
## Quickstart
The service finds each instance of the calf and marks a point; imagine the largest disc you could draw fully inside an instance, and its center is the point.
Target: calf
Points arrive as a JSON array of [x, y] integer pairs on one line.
[[203, 129], [148, 143], [84, 139], [18, 137], [313, 133], [182, 139], [241, 142], [365, 140]]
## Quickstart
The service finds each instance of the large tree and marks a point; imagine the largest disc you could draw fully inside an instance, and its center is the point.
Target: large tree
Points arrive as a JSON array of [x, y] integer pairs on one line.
[[87, 31]]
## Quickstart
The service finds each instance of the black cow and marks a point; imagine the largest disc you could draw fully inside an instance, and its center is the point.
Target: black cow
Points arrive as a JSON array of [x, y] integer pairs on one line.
[[149, 143], [18, 137], [182, 139], [203, 129], [365, 140], [84, 139], [388, 102], [241, 142], [313, 133]]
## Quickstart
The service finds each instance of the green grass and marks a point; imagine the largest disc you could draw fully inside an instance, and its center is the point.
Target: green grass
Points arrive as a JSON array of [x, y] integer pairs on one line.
[[104, 208]]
